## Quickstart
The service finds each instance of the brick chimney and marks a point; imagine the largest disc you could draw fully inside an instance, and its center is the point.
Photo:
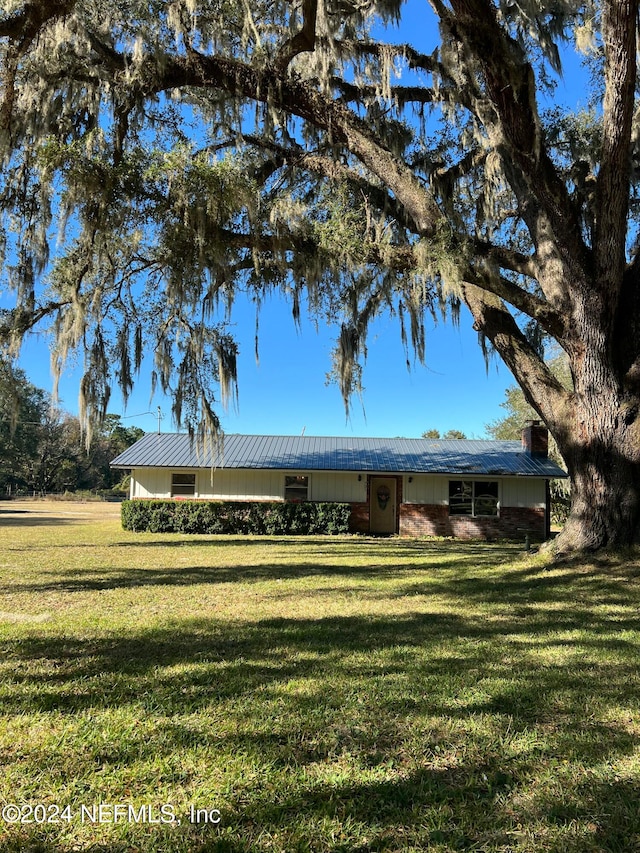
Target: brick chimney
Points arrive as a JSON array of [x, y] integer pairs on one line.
[[535, 439]]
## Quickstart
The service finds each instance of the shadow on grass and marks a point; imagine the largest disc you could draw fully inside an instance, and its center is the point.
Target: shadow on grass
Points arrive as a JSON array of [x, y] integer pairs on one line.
[[8, 518], [487, 727], [79, 580], [356, 546], [611, 581], [350, 692], [463, 808], [471, 579], [358, 541], [318, 552], [201, 662]]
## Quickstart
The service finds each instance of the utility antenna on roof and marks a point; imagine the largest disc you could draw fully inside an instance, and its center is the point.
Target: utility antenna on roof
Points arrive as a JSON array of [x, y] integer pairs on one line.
[[160, 416], [303, 429]]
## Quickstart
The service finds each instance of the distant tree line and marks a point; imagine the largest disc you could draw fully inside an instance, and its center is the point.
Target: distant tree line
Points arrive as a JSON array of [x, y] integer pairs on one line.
[[450, 433], [42, 449]]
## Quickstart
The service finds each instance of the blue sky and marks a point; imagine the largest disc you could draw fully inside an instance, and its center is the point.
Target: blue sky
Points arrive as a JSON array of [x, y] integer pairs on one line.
[[287, 391]]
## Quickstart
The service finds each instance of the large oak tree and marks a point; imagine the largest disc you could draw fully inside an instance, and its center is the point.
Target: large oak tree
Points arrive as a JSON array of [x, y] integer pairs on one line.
[[193, 148]]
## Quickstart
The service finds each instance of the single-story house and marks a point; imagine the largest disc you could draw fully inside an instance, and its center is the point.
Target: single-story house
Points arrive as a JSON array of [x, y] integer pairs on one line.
[[410, 486]]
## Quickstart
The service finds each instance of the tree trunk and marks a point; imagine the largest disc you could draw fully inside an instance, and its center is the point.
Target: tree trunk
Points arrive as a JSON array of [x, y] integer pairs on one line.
[[605, 499], [600, 443], [597, 424]]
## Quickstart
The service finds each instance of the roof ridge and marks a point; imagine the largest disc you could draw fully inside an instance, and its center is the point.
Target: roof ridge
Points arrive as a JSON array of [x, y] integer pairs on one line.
[[342, 437]]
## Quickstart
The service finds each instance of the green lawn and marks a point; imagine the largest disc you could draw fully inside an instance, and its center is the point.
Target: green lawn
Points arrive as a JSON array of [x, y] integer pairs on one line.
[[323, 694]]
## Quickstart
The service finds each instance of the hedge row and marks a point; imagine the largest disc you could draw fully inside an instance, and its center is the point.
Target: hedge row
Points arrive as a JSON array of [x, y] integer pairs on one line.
[[257, 517]]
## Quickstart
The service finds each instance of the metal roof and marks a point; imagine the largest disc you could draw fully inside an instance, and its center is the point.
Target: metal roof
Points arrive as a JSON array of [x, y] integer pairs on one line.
[[312, 453]]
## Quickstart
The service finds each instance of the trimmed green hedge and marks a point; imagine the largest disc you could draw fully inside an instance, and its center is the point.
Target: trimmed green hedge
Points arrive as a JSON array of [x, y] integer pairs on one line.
[[257, 517]]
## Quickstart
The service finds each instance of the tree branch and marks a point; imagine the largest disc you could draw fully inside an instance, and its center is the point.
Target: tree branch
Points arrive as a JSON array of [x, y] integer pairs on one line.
[[541, 388], [381, 50], [529, 304], [295, 96], [302, 100], [619, 23], [327, 167], [303, 41], [401, 94], [15, 323], [507, 258], [446, 176], [511, 88], [21, 29], [399, 259], [27, 22]]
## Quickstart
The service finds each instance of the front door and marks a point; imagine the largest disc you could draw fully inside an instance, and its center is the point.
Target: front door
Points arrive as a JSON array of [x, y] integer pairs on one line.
[[382, 505]]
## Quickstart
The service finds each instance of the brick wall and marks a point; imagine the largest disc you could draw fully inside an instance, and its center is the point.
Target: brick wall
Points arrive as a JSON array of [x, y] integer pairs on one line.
[[516, 519], [434, 520], [424, 520], [359, 520]]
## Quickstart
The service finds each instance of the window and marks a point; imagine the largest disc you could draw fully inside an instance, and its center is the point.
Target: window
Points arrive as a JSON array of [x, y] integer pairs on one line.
[[473, 497], [183, 485], [485, 497], [460, 497], [296, 488]]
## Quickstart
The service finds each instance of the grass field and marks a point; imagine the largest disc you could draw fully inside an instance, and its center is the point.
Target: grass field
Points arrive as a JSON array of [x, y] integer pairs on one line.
[[337, 694]]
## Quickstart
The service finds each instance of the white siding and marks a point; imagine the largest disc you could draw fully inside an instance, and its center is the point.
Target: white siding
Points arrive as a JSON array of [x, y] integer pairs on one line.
[[151, 483], [237, 484], [240, 485], [426, 489], [521, 492], [514, 491], [226, 485], [338, 486], [326, 486]]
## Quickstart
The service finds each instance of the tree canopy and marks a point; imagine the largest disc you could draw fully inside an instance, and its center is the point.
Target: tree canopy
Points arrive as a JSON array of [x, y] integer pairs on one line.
[[448, 434], [157, 157], [41, 446], [22, 408]]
